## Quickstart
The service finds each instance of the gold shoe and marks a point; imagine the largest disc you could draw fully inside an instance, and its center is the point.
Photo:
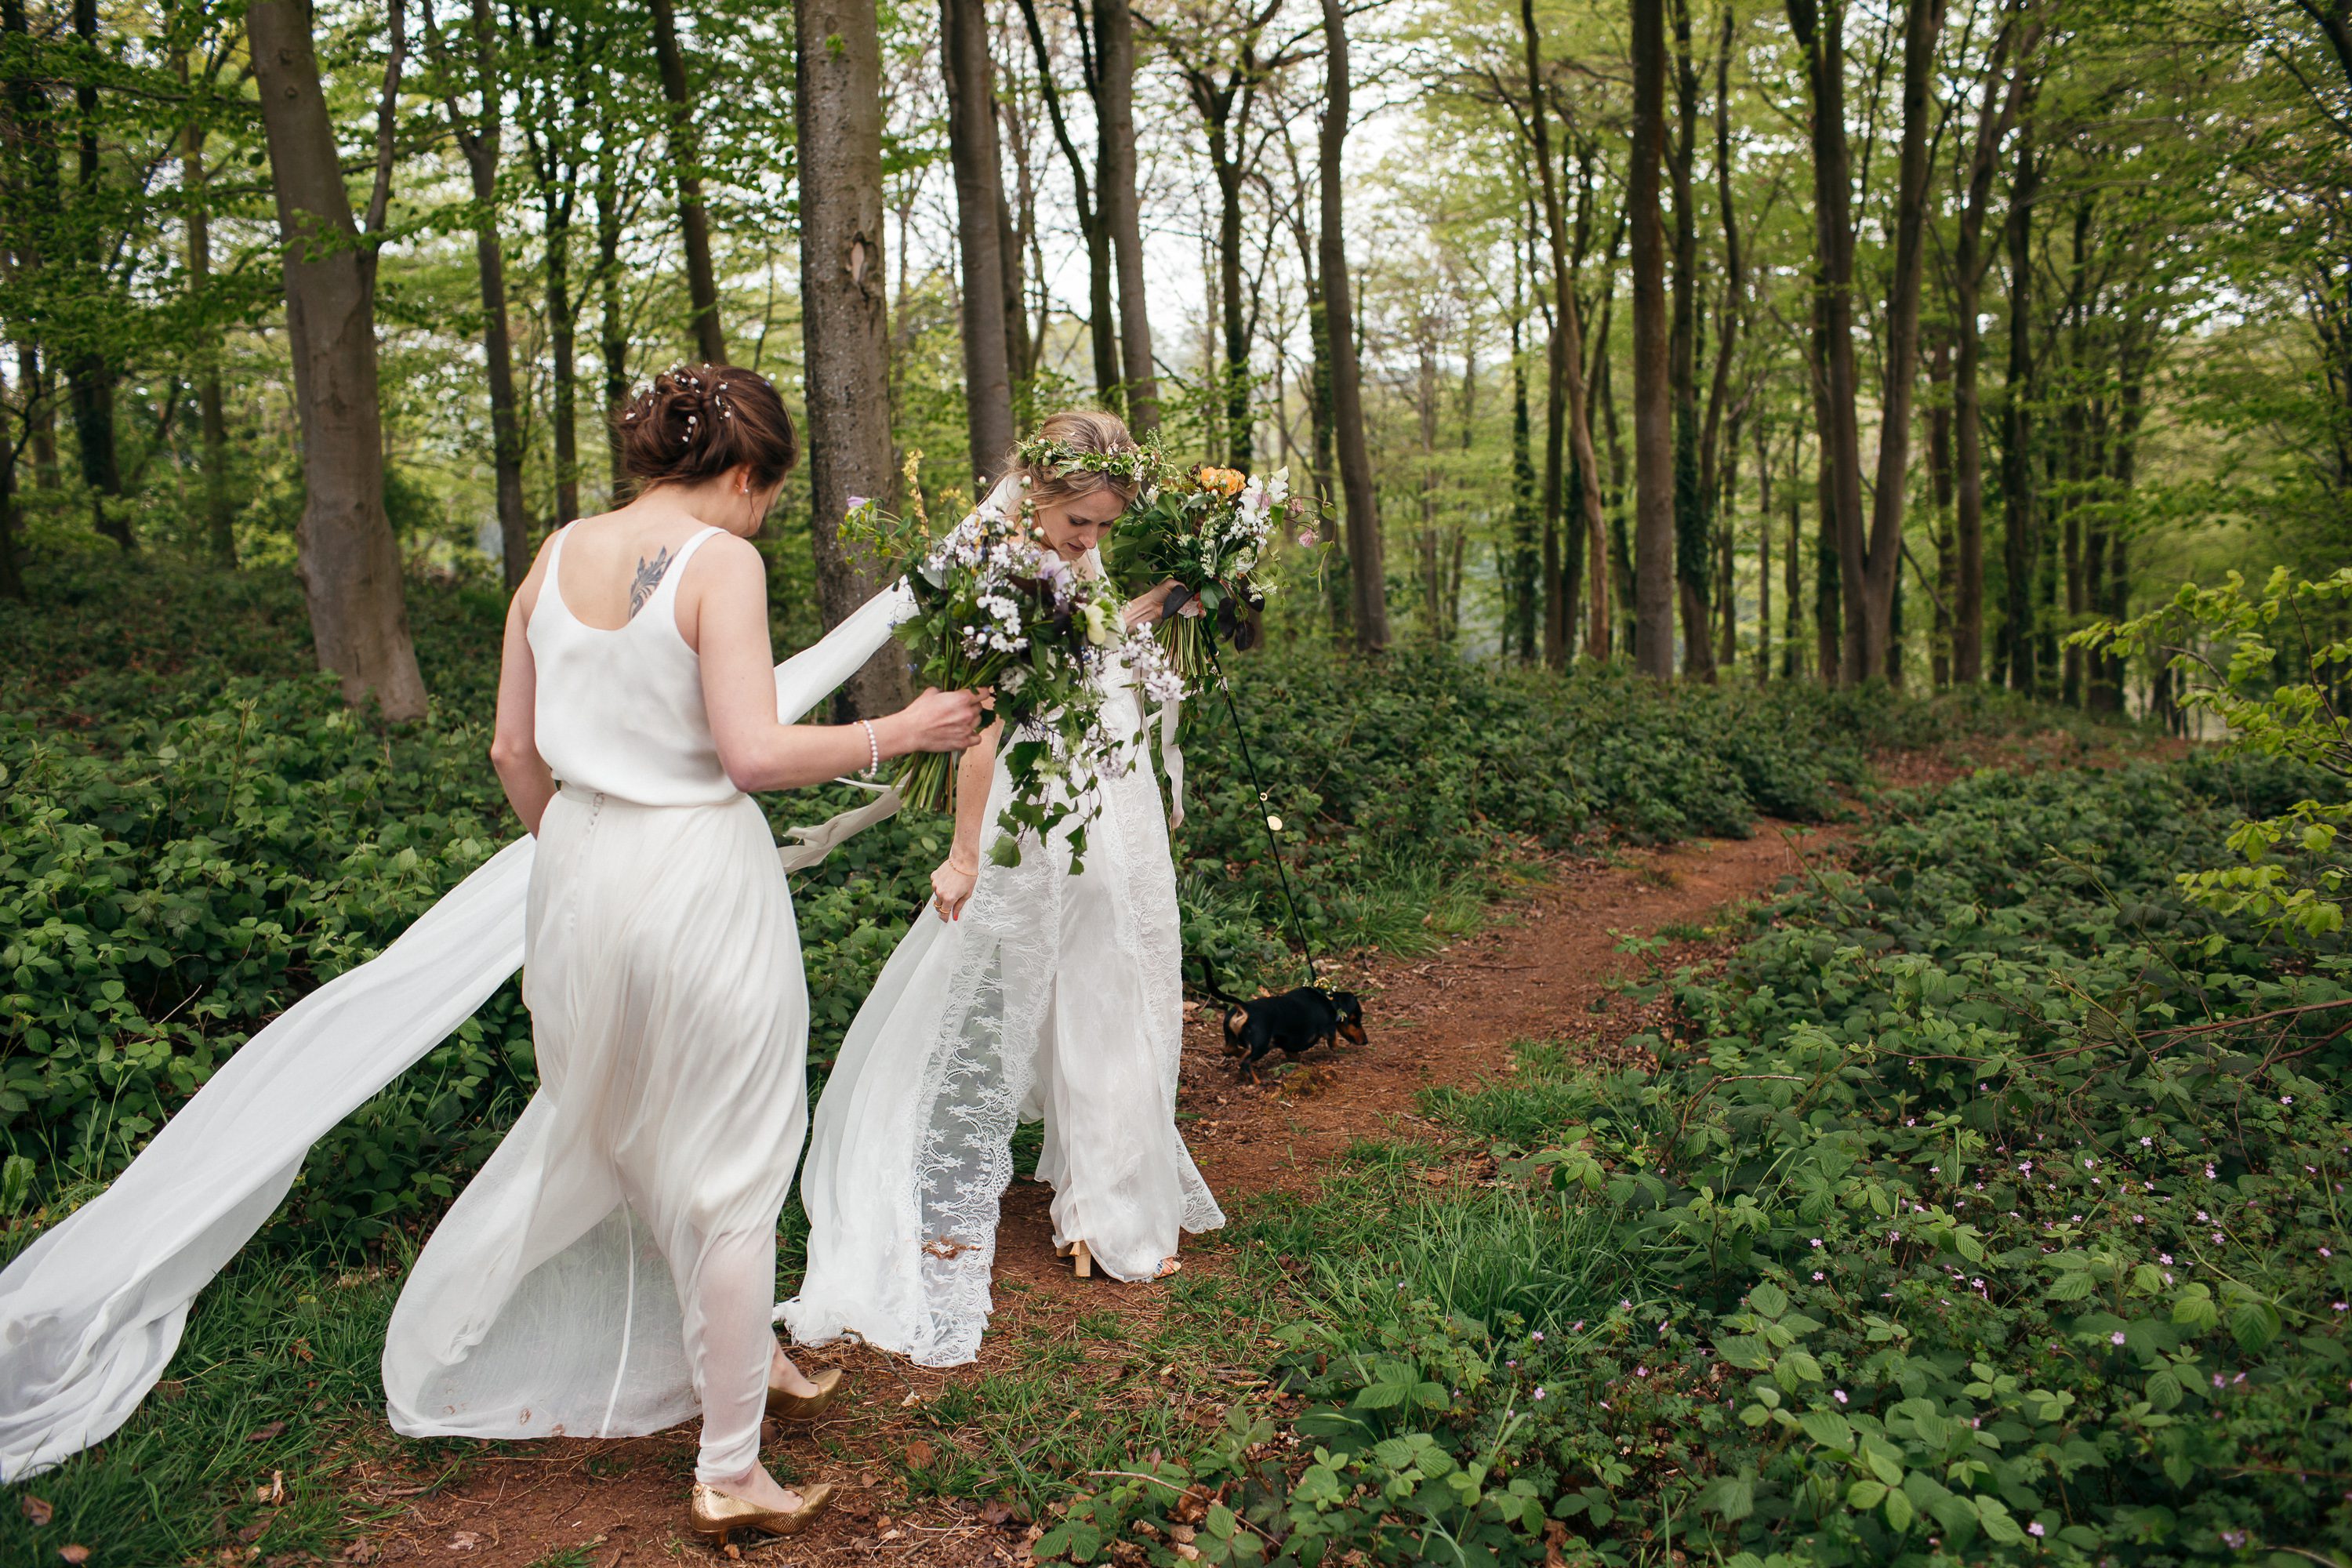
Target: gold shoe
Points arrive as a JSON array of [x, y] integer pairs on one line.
[[1082, 1261], [713, 1515], [807, 1406]]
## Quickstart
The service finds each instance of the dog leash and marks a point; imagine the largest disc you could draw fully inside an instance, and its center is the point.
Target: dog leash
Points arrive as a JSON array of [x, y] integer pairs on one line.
[[1274, 845]]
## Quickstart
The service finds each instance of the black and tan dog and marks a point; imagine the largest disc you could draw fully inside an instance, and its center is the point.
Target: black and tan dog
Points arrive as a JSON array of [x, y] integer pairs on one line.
[[1294, 1023]]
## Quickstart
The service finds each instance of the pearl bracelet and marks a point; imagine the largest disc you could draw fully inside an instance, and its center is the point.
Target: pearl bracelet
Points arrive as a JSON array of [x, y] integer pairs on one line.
[[874, 747]]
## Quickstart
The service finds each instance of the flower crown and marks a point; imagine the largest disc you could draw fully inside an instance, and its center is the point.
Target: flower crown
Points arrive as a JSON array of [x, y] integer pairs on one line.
[[1139, 465]]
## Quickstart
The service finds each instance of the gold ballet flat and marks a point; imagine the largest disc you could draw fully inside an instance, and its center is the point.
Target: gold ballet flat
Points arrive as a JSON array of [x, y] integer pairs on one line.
[[713, 1515], [807, 1406]]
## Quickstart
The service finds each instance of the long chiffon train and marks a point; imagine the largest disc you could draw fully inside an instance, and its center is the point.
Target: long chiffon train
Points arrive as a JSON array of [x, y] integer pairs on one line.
[[92, 1312]]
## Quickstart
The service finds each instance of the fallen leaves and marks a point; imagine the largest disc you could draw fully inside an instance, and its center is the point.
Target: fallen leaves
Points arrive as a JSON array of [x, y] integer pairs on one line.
[[272, 1495], [263, 1434], [75, 1553], [463, 1540], [36, 1510]]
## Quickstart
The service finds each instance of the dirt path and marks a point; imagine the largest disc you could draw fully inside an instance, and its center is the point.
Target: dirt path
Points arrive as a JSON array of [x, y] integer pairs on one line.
[[1542, 971]]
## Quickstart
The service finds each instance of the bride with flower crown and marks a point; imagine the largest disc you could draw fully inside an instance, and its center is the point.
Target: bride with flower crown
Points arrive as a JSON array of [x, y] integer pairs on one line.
[[1027, 989]]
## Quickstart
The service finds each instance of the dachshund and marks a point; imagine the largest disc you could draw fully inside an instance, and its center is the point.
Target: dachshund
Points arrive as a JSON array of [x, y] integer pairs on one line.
[[1295, 1021]]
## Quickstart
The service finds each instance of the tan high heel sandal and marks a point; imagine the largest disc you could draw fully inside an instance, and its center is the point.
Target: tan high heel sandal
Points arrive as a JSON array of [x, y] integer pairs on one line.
[[713, 1515], [807, 1406], [1082, 1263]]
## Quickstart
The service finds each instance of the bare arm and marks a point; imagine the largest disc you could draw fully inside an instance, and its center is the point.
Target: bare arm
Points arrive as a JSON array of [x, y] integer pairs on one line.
[[729, 610], [514, 741], [952, 883]]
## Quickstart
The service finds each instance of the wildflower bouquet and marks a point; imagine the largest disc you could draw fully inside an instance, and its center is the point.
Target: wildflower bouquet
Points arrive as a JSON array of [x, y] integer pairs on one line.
[[995, 607], [1208, 528]]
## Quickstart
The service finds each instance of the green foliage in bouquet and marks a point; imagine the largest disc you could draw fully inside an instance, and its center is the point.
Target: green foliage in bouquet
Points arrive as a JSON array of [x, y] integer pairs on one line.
[[1208, 528], [996, 608]]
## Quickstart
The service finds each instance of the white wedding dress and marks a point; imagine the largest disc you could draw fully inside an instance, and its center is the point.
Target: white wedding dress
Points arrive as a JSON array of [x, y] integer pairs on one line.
[[620, 1220], [1052, 994]]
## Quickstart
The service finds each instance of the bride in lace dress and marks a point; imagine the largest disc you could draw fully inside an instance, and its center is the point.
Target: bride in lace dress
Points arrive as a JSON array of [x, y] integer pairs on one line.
[[1021, 988]]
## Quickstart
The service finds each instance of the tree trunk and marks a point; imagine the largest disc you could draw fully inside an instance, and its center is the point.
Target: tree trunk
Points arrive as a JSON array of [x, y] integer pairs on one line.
[[2017, 429], [1922, 20], [1367, 571], [345, 555], [1939, 486], [1764, 644], [220, 510], [1524, 593], [1967, 413], [837, 104], [562, 331], [1225, 162], [1726, 513], [480, 141], [1792, 579], [1821, 32], [685, 157], [1653, 438], [1114, 168], [978, 187], [11, 577], [1567, 418], [1693, 541], [1102, 325], [89, 376], [613, 334]]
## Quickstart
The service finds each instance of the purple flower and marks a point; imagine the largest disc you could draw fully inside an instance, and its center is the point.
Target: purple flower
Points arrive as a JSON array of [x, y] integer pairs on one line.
[[1307, 536], [2036, 1529], [1540, 1394], [2117, 1338], [1838, 1394]]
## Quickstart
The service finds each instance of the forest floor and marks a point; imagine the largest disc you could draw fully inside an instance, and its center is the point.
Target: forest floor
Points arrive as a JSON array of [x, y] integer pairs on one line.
[[1562, 961]]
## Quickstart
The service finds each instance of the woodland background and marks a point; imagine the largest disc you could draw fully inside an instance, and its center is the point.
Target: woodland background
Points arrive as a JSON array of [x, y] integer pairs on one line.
[[1783, 341]]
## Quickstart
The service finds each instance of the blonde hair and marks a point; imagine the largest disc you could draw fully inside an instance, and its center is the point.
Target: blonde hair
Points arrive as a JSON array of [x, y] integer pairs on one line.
[[1077, 431]]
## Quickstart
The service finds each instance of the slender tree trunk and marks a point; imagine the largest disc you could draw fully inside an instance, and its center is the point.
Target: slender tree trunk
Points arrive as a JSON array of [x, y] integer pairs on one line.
[[1114, 167], [562, 331], [12, 577], [1693, 544], [612, 334], [1820, 33], [1367, 571], [1567, 418], [1524, 593], [837, 107], [89, 376], [1102, 325], [1226, 161], [1653, 438], [1939, 485], [979, 187], [1764, 644], [1792, 579], [685, 158], [2016, 428], [2000, 113], [345, 555], [1882, 557], [480, 142], [220, 510], [1726, 515]]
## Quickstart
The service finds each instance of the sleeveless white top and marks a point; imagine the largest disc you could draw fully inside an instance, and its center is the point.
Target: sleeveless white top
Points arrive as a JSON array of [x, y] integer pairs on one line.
[[619, 711]]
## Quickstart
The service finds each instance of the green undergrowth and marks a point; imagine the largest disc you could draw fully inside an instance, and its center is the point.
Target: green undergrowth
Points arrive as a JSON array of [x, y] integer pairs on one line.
[[246, 1444], [194, 832], [1989, 1206]]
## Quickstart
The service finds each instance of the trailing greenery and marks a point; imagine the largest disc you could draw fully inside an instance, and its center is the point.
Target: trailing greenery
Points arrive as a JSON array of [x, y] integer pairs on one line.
[[1990, 1206], [194, 832]]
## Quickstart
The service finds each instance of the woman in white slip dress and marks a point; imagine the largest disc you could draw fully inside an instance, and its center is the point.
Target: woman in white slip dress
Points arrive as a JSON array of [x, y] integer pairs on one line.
[[1023, 987], [612, 1269]]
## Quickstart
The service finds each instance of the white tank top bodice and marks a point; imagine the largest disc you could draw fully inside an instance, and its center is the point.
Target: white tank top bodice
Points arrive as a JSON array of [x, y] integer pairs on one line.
[[620, 711]]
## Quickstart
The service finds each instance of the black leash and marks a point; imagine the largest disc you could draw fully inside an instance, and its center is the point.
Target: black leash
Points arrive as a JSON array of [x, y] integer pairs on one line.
[[1297, 926]]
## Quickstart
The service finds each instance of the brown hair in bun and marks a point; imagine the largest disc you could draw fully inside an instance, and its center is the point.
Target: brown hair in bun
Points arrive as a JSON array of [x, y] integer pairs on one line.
[[698, 422]]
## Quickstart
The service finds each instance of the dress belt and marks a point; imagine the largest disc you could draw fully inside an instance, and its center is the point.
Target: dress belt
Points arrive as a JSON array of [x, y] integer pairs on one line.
[[583, 795]]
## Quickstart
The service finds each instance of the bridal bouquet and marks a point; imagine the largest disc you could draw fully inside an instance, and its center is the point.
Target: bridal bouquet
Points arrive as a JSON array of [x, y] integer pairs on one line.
[[1208, 528], [995, 607]]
